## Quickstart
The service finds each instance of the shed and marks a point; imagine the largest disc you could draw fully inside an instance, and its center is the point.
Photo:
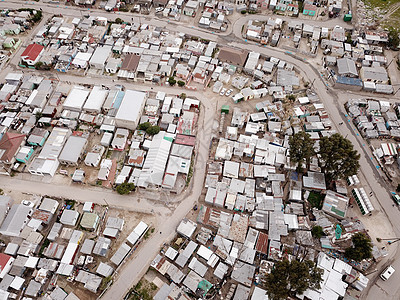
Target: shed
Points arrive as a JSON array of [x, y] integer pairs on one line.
[[69, 217], [90, 220]]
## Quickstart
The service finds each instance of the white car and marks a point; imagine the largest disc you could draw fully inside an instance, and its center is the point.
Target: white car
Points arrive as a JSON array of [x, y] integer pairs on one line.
[[159, 9], [3, 57], [385, 275], [229, 92], [222, 92], [27, 203]]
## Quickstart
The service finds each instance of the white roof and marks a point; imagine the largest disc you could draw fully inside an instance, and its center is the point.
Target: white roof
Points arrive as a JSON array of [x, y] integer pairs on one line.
[[32, 262], [131, 105], [96, 99], [156, 160], [137, 233], [171, 253], [259, 294], [69, 253], [100, 55], [204, 252], [87, 206], [17, 283], [76, 98]]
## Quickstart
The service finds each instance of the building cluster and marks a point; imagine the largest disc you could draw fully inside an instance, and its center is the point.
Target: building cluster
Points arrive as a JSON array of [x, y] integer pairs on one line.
[[256, 210], [133, 51], [354, 60], [378, 121], [48, 242], [42, 129], [271, 76], [12, 24]]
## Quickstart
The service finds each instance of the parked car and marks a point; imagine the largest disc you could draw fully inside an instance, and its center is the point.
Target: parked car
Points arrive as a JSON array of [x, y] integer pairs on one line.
[[385, 275], [396, 198], [3, 57], [222, 92], [27, 203], [229, 92]]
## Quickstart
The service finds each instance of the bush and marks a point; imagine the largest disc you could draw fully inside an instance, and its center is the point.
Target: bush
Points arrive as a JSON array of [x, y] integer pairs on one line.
[[144, 126], [317, 232], [171, 81], [119, 21], [316, 199], [153, 130], [181, 83], [292, 97], [125, 188], [361, 249], [243, 12]]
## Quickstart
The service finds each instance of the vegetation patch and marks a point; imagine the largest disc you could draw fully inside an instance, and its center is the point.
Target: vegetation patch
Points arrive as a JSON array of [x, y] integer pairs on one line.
[[125, 188], [316, 199], [144, 290]]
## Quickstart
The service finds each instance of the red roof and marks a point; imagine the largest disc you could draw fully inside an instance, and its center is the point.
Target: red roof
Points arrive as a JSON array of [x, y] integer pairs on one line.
[[262, 243], [4, 258], [10, 143], [185, 140], [32, 51]]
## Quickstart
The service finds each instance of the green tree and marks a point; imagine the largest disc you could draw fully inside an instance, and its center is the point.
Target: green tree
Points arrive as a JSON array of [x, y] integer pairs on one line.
[[291, 97], [393, 38], [291, 278], [38, 65], [301, 148], [348, 38], [182, 96], [144, 126], [361, 248], [38, 115], [125, 188], [37, 16], [181, 83], [171, 81], [153, 130], [339, 159], [119, 21], [317, 232]]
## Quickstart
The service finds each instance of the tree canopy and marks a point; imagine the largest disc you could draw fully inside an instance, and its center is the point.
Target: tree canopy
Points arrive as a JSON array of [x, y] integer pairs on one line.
[[152, 130], [171, 81], [144, 126], [317, 232], [361, 249], [301, 148], [339, 159], [125, 188], [393, 38], [290, 278]]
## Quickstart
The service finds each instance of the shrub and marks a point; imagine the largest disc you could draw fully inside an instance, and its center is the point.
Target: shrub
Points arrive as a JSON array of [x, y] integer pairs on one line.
[[171, 81], [181, 83], [144, 126], [119, 21], [317, 232], [152, 130], [243, 12], [125, 188]]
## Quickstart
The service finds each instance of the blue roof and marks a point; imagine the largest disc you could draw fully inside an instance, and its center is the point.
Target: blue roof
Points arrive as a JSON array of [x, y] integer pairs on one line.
[[349, 81], [118, 99]]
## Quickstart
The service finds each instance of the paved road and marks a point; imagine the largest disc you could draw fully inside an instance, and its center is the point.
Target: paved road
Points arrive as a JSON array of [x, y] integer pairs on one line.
[[139, 264]]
